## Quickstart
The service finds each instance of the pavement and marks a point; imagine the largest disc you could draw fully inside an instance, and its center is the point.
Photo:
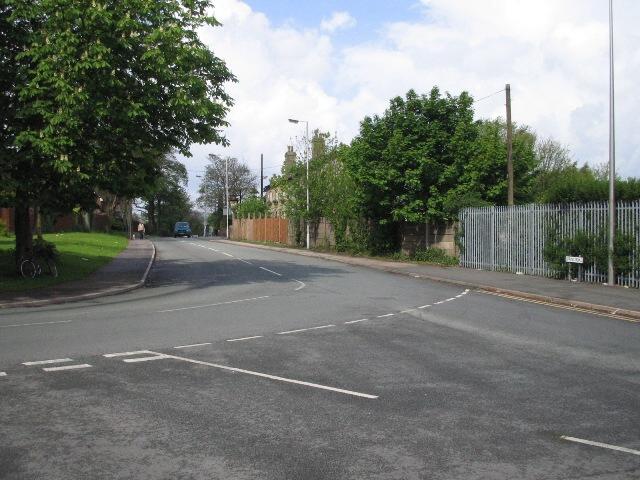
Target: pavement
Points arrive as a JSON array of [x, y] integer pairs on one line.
[[129, 271], [126, 272]]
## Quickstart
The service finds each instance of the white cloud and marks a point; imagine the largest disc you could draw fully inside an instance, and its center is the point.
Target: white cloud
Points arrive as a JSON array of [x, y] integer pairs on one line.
[[554, 55], [338, 21]]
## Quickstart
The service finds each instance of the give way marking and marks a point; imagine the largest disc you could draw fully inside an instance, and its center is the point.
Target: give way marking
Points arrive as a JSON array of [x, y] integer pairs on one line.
[[160, 356]]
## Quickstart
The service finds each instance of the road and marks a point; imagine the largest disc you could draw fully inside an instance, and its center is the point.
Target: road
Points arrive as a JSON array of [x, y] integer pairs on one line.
[[242, 363]]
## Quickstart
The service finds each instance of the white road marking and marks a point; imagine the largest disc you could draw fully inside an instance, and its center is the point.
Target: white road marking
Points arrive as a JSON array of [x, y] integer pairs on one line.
[[3, 374], [386, 315], [125, 354], [304, 329], [66, 367], [158, 356], [274, 377], [409, 311], [438, 303], [212, 249], [424, 306], [356, 321], [602, 445], [243, 338], [271, 271], [227, 254], [244, 261], [302, 285], [193, 345], [37, 323], [48, 362], [449, 299], [416, 276], [213, 304]]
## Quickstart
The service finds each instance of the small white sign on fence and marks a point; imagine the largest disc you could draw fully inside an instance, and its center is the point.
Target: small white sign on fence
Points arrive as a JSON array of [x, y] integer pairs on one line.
[[569, 259]]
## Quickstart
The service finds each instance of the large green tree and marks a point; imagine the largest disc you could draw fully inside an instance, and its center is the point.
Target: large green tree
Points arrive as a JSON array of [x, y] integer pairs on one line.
[[167, 201], [407, 159], [95, 92]]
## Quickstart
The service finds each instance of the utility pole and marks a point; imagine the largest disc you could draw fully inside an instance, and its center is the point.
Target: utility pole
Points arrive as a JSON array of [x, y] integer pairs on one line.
[[261, 176], [507, 89], [611, 280], [226, 189]]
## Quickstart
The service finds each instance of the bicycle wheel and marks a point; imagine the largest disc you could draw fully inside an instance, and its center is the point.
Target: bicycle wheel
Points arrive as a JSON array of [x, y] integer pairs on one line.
[[28, 268], [52, 268]]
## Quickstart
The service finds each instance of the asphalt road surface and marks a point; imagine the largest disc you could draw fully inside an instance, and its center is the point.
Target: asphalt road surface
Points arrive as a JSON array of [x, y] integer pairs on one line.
[[241, 363]]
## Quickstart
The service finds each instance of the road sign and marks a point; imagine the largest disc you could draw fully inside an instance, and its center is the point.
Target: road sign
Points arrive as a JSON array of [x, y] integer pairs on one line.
[[570, 259]]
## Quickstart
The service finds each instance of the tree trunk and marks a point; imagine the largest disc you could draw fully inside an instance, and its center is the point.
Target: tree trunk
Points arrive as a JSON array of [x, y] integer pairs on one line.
[[24, 237]]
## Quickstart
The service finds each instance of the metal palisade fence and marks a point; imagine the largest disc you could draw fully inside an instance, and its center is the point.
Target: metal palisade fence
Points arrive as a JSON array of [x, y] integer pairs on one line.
[[534, 238]]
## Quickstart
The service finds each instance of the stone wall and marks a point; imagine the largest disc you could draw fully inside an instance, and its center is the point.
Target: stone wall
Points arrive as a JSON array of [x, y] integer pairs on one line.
[[440, 236]]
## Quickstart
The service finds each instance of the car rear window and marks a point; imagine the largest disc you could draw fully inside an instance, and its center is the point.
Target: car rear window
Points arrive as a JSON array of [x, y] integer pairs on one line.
[[182, 225]]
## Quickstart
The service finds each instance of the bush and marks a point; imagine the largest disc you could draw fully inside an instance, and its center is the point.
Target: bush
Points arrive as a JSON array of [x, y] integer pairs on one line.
[[435, 255], [44, 249], [4, 232]]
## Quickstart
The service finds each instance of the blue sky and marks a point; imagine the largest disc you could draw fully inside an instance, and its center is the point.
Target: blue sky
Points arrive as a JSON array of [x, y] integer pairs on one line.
[[334, 62]]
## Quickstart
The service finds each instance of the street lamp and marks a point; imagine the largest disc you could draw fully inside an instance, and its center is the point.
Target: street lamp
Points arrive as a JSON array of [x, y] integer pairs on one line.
[[306, 159], [612, 157]]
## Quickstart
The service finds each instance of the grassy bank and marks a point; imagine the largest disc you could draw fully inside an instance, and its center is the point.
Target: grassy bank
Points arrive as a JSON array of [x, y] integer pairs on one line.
[[80, 255]]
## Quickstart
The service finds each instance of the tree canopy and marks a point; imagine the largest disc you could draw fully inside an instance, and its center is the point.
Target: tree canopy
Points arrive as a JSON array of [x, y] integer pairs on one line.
[[92, 94], [242, 182]]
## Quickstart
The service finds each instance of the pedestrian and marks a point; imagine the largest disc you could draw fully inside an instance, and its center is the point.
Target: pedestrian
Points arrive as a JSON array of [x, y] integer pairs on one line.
[[141, 230]]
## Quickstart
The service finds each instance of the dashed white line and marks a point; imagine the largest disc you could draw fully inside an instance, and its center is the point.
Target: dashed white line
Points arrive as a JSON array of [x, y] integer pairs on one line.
[[271, 271], [48, 362], [125, 354], [305, 329], [302, 285], [213, 304], [409, 311], [386, 315], [243, 338], [3, 374], [274, 377], [424, 306], [66, 367], [158, 356], [227, 254], [356, 321], [37, 323], [244, 261], [193, 345], [601, 445]]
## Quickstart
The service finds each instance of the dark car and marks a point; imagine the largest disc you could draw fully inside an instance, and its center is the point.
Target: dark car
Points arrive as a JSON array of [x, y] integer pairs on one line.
[[182, 229]]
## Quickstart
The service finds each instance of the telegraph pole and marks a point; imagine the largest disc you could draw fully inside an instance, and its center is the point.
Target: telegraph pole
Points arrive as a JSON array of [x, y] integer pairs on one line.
[[226, 189], [261, 176], [611, 280], [509, 146]]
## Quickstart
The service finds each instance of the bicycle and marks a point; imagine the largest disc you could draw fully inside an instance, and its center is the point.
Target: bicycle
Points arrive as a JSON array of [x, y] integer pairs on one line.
[[32, 266]]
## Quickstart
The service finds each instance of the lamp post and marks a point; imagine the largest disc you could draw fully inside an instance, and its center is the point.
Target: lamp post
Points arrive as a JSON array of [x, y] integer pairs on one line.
[[612, 156], [306, 159]]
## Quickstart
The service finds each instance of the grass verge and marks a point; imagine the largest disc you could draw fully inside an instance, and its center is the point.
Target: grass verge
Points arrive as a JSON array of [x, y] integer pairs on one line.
[[80, 255]]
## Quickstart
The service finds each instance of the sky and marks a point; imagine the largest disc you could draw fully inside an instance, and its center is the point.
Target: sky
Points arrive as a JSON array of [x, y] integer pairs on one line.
[[332, 63]]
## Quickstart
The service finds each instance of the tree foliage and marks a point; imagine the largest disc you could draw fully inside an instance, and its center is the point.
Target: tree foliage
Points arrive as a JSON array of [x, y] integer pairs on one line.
[[95, 92], [242, 182], [251, 206], [167, 201]]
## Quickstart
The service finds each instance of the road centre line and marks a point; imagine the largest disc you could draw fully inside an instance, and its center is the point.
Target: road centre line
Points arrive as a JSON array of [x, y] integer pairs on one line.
[[48, 362], [193, 345], [126, 354], [273, 377], [302, 285], [244, 261], [213, 304], [227, 254], [271, 271], [601, 445], [356, 321], [386, 315], [305, 329], [158, 356], [424, 306], [243, 338], [410, 310], [3, 374], [37, 323], [66, 367]]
